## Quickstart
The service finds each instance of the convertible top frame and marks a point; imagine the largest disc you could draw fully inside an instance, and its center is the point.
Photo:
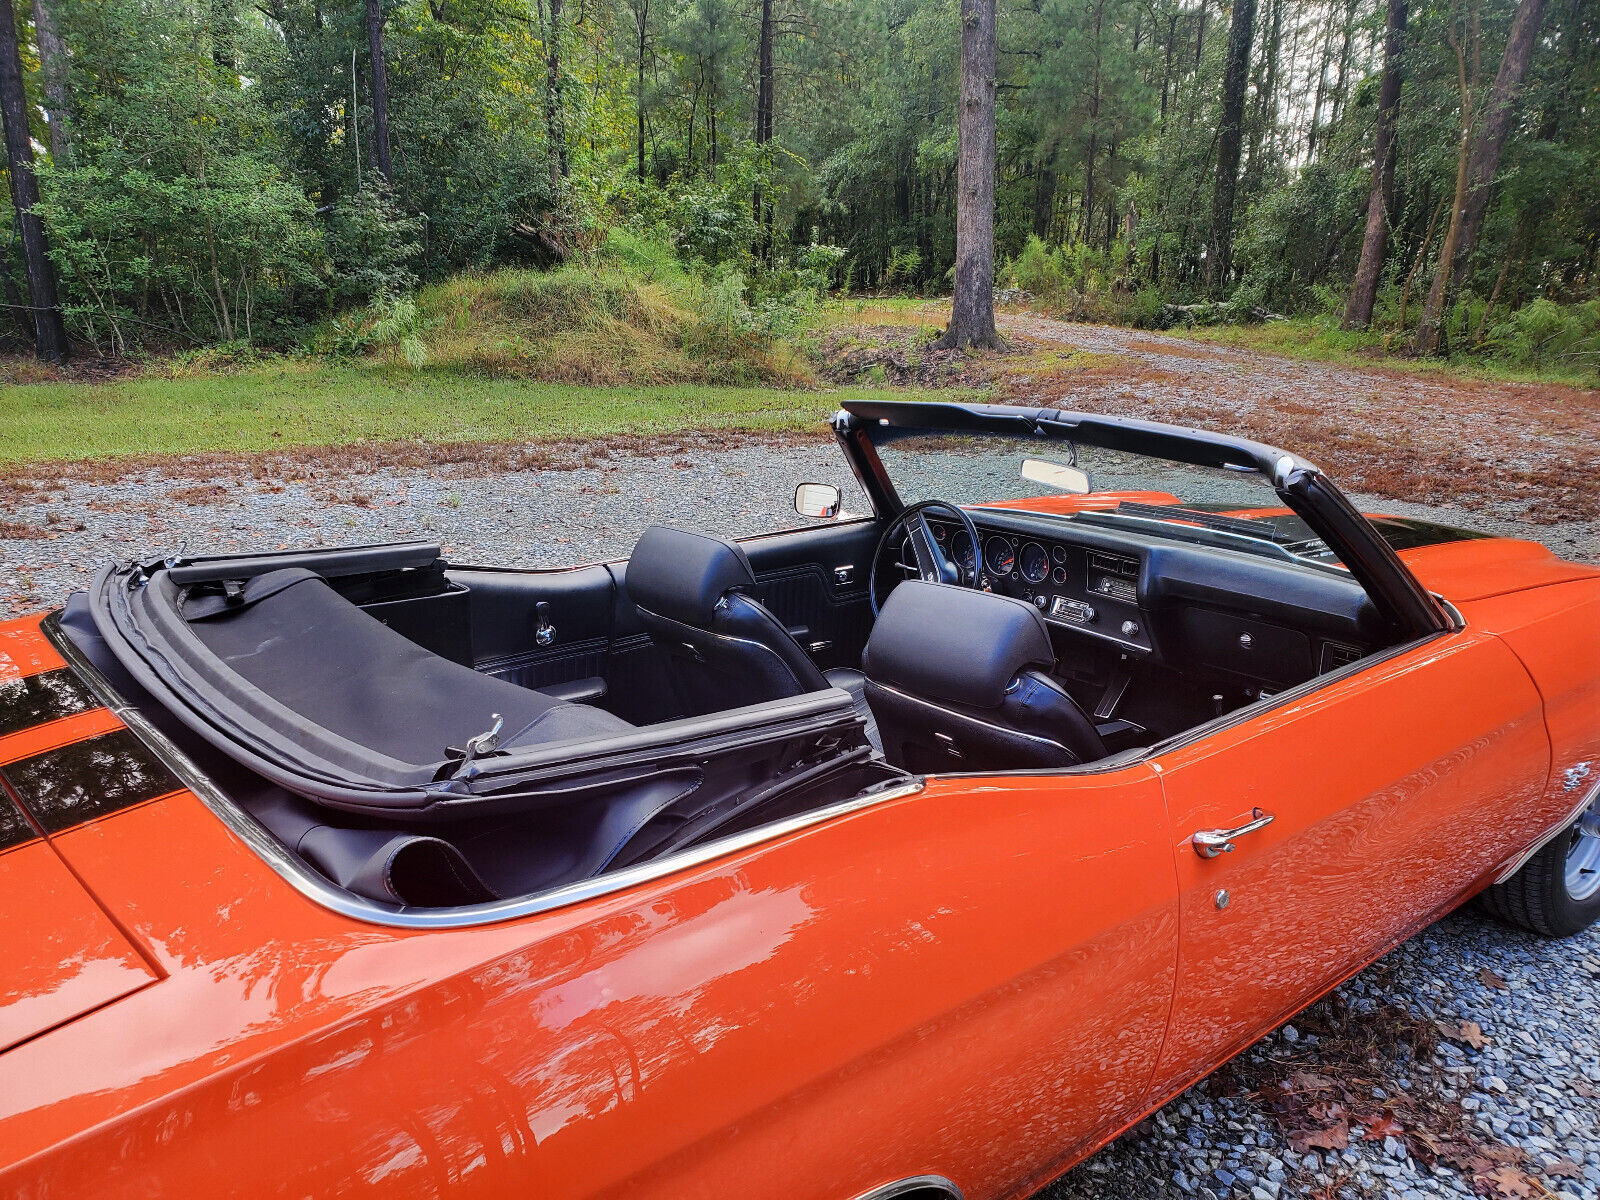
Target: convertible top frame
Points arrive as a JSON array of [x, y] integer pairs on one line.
[[1303, 488]]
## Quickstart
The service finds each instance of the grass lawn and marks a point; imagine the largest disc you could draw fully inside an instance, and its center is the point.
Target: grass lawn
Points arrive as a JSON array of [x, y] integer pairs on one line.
[[307, 403], [1309, 338]]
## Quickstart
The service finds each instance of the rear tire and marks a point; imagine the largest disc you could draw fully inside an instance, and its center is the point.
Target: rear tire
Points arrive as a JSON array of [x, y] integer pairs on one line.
[[1557, 891]]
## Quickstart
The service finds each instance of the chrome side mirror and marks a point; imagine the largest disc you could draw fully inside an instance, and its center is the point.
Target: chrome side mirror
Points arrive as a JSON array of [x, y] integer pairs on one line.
[[819, 500]]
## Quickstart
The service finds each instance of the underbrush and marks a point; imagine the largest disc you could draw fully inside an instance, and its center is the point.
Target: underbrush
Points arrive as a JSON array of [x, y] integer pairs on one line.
[[1512, 356], [629, 313], [1083, 283]]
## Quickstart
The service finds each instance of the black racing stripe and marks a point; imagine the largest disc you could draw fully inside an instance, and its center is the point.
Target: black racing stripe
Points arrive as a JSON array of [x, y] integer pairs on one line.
[[40, 698], [88, 779], [15, 829]]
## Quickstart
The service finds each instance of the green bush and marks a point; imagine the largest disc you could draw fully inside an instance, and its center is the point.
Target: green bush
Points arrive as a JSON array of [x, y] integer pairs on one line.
[[371, 247], [1544, 334], [1037, 270]]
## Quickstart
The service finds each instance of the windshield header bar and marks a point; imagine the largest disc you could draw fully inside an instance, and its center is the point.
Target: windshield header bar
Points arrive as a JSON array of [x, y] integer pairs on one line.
[[884, 420], [861, 425]]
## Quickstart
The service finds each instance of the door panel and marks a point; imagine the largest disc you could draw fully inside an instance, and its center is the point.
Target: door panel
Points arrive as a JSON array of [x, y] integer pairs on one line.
[[1393, 792], [797, 572], [504, 611]]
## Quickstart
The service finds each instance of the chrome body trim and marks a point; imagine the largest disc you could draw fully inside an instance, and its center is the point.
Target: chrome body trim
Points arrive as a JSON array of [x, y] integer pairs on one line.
[[1589, 797], [913, 1183], [314, 887]]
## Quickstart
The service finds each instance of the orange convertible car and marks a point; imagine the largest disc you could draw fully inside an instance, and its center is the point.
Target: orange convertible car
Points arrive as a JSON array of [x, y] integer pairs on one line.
[[910, 854]]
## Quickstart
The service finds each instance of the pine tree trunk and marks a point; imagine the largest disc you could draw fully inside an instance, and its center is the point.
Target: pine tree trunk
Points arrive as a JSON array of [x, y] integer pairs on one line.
[[1219, 261], [764, 103], [555, 124], [641, 16], [972, 311], [1430, 333], [1364, 291], [53, 69], [50, 332], [380, 91], [1480, 157]]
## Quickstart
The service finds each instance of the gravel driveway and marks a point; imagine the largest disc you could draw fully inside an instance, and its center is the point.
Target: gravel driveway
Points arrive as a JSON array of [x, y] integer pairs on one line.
[[1526, 1092]]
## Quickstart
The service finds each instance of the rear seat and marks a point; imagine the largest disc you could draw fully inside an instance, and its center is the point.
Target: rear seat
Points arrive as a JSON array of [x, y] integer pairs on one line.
[[293, 637]]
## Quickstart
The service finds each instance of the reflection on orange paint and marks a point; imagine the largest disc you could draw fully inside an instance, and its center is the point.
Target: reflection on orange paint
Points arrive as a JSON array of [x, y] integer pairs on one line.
[[984, 980], [61, 956]]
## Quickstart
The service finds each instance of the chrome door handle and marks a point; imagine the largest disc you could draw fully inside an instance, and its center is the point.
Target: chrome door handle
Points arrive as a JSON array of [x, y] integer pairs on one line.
[[1209, 843]]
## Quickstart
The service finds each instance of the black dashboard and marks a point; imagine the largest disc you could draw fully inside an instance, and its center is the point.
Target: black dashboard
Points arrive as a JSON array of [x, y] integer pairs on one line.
[[1232, 616]]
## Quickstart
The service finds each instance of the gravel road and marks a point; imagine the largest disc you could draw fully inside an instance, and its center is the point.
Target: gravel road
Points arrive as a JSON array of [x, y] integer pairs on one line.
[[1529, 1095]]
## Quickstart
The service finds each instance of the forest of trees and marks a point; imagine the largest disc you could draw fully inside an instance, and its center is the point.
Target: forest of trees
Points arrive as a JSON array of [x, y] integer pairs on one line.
[[189, 172]]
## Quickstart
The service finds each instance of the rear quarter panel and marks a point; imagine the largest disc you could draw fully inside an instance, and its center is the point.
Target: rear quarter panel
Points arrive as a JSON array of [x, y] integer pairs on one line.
[[909, 988]]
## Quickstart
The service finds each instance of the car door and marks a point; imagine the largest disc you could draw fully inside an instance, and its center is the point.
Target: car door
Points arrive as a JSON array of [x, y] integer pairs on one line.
[[1392, 791], [972, 980], [814, 580]]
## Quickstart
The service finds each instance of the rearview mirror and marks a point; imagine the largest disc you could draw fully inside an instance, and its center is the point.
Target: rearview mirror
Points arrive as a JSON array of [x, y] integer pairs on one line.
[[820, 500], [1066, 479]]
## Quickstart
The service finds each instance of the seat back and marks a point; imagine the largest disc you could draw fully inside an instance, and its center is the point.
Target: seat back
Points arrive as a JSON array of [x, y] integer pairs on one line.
[[724, 649], [957, 681]]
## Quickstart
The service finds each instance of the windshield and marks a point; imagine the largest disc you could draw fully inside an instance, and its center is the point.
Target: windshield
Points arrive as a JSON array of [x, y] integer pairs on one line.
[[1237, 509]]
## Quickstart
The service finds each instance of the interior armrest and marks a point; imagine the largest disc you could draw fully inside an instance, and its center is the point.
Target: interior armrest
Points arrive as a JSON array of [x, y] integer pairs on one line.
[[577, 691]]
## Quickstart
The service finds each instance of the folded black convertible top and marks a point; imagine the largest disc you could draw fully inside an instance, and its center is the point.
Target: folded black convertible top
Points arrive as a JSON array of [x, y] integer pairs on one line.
[[263, 659]]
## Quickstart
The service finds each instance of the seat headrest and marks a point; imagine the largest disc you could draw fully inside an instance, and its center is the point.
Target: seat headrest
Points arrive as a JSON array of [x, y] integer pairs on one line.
[[954, 644], [682, 573]]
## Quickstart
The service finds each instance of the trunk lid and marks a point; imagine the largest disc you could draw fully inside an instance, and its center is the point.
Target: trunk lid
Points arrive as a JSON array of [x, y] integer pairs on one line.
[[61, 954]]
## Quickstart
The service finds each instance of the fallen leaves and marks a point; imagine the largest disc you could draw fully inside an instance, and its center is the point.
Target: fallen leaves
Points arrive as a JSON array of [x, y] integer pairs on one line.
[[1509, 1181], [1466, 1033], [1344, 1082], [1328, 1137], [1564, 1168], [1493, 980], [1382, 1127]]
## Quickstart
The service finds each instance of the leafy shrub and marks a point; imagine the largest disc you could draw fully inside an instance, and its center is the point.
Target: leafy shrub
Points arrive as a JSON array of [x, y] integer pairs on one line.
[[371, 247], [1037, 270], [230, 256], [1147, 309], [1543, 333], [712, 226], [900, 271]]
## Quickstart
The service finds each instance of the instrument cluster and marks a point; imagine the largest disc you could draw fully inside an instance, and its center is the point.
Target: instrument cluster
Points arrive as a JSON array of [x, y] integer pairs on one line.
[[1091, 590]]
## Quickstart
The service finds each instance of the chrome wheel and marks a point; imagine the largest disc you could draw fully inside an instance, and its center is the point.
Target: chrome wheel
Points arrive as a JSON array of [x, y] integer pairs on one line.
[[1583, 856]]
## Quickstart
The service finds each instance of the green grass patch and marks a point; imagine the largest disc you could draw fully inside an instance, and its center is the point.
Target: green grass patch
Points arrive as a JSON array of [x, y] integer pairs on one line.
[[305, 403], [1314, 339]]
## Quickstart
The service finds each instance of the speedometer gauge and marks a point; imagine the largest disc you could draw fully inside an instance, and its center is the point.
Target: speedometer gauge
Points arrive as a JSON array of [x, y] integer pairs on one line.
[[1035, 563], [999, 556], [965, 554]]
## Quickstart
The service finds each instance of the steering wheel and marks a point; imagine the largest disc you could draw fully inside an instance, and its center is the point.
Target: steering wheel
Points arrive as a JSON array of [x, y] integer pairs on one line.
[[932, 565]]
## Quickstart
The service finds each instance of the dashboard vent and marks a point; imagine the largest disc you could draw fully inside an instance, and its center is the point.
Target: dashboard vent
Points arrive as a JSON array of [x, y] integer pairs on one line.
[[1336, 655], [1114, 564]]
